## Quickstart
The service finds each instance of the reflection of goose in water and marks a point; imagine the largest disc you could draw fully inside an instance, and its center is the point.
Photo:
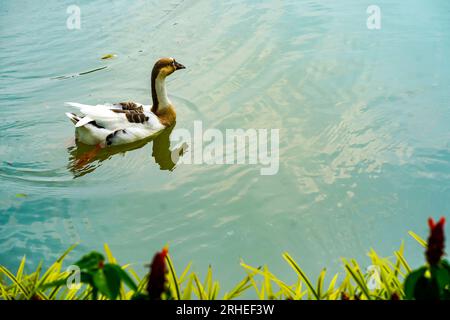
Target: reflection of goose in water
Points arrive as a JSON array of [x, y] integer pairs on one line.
[[84, 158]]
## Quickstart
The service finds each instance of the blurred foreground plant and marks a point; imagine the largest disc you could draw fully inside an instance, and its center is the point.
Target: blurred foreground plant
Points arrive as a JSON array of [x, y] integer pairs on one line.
[[432, 281], [93, 278]]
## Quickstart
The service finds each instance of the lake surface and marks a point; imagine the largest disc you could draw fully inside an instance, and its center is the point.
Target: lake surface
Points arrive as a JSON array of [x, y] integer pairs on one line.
[[363, 116]]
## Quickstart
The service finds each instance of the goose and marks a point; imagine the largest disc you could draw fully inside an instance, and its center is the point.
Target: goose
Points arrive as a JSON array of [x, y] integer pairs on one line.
[[121, 123]]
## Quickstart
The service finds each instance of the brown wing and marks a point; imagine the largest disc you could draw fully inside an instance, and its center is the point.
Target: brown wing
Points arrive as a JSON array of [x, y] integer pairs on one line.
[[130, 105], [133, 111]]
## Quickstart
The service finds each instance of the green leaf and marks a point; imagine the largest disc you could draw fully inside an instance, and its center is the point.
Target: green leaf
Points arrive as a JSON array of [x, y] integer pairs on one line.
[[143, 283], [107, 281], [84, 278], [287, 290], [215, 290], [426, 289], [125, 277], [21, 195], [238, 289], [109, 254], [185, 272], [411, 282], [56, 283], [188, 290], [357, 276], [90, 261], [301, 274], [14, 280], [174, 278], [403, 261], [93, 70], [445, 264], [64, 255], [320, 281], [208, 282], [332, 284], [442, 277], [267, 283], [201, 292], [5, 294], [20, 271], [416, 237]]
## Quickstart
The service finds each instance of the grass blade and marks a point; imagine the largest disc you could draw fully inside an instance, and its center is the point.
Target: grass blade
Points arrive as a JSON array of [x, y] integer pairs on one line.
[[7, 273], [416, 237], [174, 278], [302, 275]]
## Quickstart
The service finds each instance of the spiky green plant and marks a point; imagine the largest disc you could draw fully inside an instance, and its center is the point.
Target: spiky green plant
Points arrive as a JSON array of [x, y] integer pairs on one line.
[[387, 280]]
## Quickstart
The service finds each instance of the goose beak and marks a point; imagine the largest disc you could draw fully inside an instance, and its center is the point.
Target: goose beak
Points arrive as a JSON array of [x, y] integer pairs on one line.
[[179, 66]]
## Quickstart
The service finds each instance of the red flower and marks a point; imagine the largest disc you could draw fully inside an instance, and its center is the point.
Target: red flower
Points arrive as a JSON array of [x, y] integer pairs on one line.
[[157, 278], [436, 240], [395, 296], [344, 296]]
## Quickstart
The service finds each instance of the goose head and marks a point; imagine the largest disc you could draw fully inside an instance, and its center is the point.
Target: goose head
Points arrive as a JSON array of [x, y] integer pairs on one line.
[[165, 67], [162, 106]]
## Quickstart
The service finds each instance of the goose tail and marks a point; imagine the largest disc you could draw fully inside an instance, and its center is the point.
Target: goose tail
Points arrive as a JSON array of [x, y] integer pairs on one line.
[[73, 117], [77, 120]]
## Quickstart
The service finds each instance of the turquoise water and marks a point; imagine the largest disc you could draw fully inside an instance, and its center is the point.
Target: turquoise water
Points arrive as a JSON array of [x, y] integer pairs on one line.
[[363, 116]]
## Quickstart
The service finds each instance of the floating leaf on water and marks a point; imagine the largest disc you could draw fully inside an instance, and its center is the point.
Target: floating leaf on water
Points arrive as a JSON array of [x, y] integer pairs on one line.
[[79, 74], [21, 195], [65, 77], [109, 56], [93, 70]]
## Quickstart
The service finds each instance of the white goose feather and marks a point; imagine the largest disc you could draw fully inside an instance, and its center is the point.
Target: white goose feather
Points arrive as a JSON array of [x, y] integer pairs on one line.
[[101, 125]]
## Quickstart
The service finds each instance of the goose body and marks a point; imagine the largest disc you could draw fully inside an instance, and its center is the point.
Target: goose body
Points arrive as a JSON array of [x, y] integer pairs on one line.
[[127, 122]]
